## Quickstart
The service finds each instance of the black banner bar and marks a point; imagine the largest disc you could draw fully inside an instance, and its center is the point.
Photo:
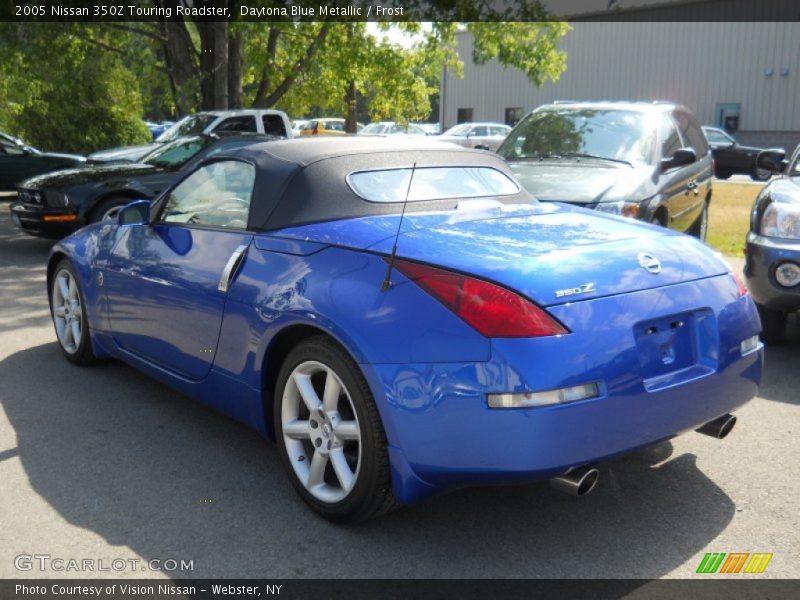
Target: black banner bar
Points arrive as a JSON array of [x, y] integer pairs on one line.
[[398, 10], [706, 587]]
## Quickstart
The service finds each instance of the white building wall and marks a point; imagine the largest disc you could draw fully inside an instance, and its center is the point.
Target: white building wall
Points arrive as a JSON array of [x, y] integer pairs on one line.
[[698, 64]]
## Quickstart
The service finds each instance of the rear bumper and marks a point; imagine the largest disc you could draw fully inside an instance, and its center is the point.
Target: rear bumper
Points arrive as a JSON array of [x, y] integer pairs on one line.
[[443, 434], [44, 221], [764, 254]]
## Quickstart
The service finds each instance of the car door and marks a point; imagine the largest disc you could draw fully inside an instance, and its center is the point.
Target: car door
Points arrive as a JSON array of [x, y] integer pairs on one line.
[[166, 282], [478, 136], [699, 172], [724, 149], [674, 183]]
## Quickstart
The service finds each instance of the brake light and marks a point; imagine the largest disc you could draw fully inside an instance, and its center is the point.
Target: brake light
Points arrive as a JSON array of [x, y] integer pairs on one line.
[[492, 310], [740, 286]]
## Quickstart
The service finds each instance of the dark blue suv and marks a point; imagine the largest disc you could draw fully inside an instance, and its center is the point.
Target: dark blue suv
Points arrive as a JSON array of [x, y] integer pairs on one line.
[[772, 266]]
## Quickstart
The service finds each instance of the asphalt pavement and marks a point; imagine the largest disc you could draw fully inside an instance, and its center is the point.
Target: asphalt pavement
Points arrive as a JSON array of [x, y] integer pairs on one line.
[[105, 464]]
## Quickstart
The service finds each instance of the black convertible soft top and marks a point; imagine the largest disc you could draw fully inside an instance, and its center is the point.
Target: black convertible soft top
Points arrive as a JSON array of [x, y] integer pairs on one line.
[[303, 180]]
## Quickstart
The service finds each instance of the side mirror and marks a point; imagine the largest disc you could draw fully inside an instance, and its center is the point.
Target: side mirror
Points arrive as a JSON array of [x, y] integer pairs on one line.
[[773, 160], [135, 213], [681, 158]]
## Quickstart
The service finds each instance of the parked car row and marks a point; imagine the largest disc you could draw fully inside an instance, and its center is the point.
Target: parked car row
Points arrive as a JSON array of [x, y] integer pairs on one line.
[[651, 162], [56, 204]]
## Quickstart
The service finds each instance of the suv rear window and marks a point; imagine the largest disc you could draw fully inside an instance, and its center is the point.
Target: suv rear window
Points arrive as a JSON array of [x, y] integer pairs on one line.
[[431, 183]]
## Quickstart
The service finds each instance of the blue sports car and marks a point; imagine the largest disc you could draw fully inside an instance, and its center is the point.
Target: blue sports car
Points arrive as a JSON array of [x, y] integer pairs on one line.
[[402, 318]]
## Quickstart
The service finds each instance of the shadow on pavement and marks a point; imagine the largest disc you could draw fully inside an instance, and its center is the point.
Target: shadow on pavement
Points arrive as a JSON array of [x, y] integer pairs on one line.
[[23, 263], [779, 382], [120, 455]]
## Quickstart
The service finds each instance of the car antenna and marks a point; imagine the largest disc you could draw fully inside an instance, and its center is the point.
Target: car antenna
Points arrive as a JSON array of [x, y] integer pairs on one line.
[[387, 281]]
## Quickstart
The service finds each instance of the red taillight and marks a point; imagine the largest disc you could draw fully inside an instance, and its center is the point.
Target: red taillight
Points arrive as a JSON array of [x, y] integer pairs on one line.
[[492, 310], [739, 284]]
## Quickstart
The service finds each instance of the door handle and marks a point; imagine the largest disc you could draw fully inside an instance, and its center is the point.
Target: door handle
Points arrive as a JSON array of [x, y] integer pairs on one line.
[[231, 267]]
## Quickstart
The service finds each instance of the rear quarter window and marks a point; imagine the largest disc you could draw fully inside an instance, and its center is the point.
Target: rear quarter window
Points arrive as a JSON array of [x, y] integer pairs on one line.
[[274, 125], [431, 183], [692, 133]]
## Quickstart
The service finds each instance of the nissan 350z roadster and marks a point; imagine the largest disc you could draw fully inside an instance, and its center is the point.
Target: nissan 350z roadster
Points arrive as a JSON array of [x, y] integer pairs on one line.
[[402, 318]]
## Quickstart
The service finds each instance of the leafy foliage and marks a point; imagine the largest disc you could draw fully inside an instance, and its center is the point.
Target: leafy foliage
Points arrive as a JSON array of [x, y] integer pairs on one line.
[[61, 93], [81, 87]]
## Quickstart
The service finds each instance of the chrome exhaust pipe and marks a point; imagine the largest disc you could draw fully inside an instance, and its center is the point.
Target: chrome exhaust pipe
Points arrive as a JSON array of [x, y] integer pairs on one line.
[[718, 428], [577, 482]]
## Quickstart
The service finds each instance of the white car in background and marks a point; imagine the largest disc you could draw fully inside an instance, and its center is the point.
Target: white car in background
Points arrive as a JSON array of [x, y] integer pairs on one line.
[[483, 136], [391, 128]]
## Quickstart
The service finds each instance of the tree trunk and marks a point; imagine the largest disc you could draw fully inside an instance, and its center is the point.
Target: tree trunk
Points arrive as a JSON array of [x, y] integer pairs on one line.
[[266, 72], [213, 64], [351, 121], [235, 64], [180, 59]]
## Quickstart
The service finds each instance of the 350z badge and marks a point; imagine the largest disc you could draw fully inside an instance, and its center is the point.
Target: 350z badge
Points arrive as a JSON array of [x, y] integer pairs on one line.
[[586, 288]]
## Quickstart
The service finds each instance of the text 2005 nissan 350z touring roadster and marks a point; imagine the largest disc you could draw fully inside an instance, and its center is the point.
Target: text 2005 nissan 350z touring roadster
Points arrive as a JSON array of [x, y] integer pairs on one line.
[[403, 319]]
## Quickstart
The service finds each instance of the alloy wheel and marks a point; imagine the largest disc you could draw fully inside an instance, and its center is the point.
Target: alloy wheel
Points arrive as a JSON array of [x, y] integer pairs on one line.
[[67, 311], [321, 431]]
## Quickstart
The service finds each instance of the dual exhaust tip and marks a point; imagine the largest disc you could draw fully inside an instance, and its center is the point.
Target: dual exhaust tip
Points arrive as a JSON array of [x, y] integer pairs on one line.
[[582, 480], [718, 428], [577, 482]]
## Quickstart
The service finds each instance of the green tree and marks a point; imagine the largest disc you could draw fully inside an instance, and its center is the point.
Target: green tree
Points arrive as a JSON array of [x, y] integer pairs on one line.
[[86, 86], [63, 92]]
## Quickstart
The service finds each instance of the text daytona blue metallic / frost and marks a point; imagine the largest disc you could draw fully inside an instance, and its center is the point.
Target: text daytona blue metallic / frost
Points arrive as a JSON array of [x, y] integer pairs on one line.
[[46, 562]]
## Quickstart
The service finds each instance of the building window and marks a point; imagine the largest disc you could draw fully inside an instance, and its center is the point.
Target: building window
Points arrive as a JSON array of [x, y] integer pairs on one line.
[[464, 115], [514, 115]]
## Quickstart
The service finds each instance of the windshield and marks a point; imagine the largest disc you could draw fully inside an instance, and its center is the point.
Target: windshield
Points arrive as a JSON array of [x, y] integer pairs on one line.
[[175, 154], [715, 136], [373, 128], [191, 125], [462, 129], [431, 183], [619, 135]]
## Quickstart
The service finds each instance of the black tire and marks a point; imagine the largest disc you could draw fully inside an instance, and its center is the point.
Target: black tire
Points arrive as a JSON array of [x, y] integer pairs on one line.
[[82, 352], [773, 325], [700, 227], [723, 175], [371, 494], [109, 205]]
